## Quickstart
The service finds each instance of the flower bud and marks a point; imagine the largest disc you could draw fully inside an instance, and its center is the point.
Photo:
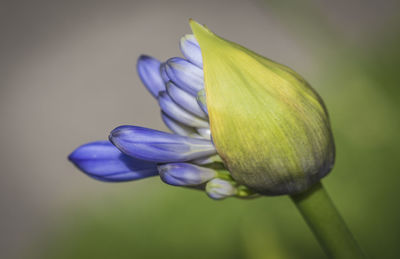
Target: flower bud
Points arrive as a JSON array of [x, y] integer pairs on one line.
[[185, 174], [268, 125], [219, 189]]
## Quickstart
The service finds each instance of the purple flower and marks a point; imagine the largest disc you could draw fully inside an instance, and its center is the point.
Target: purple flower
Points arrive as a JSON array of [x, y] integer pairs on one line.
[[186, 157]]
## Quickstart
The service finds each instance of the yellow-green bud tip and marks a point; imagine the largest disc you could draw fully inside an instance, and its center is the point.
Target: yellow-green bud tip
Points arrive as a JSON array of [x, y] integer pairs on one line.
[[268, 125]]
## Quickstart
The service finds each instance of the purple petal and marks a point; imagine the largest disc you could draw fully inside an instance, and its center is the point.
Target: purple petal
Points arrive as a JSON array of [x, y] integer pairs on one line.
[[163, 72], [185, 174], [103, 161], [185, 75], [148, 69], [177, 127], [158, 146], [191, 50], [185, 100], [177, 113]]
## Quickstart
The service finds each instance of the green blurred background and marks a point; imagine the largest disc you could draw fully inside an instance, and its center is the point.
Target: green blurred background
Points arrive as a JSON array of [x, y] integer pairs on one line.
[[67, 77]]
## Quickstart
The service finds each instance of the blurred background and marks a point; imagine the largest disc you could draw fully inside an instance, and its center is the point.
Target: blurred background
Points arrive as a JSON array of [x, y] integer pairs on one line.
[[67, 77]]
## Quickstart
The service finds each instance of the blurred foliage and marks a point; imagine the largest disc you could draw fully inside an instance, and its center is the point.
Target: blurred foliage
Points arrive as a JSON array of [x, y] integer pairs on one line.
[[360, 84], [173, 222]]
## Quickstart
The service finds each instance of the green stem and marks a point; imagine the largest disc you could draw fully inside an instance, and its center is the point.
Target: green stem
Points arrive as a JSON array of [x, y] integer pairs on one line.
[[326, 223]]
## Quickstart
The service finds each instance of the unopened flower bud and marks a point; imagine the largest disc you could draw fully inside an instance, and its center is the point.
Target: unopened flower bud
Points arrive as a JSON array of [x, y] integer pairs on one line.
[[219, 189], [268, 125]]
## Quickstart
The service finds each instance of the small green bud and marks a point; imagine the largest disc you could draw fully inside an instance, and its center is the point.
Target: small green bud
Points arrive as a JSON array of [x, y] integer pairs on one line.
[[269, 126]]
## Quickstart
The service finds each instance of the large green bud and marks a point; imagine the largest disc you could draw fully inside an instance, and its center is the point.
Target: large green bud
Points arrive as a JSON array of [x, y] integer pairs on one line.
[[268, 125]]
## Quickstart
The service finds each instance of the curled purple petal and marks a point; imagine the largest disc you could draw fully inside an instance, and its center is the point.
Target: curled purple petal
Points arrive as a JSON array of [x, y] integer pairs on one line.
[[177, 113], [191, 50], [185, 174], [158, 146], [185, 75], [103, 161], [148, 69]]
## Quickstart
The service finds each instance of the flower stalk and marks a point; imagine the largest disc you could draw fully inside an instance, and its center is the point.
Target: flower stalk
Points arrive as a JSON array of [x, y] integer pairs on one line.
[[326, 223]]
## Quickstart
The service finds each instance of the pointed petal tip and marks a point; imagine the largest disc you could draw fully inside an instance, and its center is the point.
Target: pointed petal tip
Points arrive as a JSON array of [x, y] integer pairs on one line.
[[144, 56], [198, 28], [191, 21], [71, 157], [195, 24]]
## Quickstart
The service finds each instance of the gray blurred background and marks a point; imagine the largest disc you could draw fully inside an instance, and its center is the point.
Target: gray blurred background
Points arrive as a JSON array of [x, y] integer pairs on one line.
[[67, 76]]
